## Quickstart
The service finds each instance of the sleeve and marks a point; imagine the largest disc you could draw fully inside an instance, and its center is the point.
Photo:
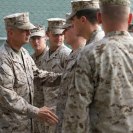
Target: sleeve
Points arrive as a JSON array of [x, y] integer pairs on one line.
[[9, 99], [48, 79], [80, 93], [64, 57]]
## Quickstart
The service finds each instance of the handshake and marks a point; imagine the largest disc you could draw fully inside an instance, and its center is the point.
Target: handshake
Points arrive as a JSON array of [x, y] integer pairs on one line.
[[45, 115]]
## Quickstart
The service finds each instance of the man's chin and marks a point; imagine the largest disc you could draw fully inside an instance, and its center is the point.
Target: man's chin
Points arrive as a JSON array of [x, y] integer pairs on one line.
[[27, 41], [78, 34]]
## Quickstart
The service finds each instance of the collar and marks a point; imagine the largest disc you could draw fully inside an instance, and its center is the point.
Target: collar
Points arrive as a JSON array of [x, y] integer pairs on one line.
[[119, 33]]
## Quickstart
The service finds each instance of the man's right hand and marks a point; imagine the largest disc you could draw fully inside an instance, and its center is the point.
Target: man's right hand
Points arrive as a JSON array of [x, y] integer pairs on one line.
[[46, 115]]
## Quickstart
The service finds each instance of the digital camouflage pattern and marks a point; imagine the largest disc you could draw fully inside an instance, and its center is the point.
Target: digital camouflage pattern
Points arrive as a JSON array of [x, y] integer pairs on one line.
[[96, 35], [64, 85], [38, 91], [100, 96], [68, 22], [17, 72], [55, 22], [84, 4], [39, 59], [54, 63], [78, 5], [19, 20], [38, 31], [55, 25]]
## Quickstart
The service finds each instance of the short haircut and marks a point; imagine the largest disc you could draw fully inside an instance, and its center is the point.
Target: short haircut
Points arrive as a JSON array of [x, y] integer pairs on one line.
[[116, 12], [90, 14]]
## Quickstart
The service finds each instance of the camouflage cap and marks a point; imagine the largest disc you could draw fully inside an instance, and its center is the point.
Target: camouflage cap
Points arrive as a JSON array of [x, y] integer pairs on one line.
[[78, 5], [55, 25], [19, 20], [38, 31], [68, 22], [115, 2]]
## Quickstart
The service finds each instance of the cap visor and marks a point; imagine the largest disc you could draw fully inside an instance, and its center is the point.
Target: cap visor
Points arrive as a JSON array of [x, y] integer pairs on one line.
[[57, 31], [71, 15], [65, 26], [37, 34], [26, 26]]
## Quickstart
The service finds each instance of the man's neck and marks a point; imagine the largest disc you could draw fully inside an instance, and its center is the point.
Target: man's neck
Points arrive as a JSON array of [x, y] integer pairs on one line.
[[14, 45], [110, 27], [91, 30], [54, 48], [78, 44], [39, 52]]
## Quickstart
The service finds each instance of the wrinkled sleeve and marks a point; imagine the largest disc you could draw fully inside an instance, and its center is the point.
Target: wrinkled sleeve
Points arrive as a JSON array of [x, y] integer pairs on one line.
[[9, 99], [76, 115], [46, 78]]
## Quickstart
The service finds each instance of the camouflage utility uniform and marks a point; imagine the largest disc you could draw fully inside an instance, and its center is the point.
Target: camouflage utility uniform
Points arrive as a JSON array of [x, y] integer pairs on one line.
[[65, 82], [38, 91], [17, 71], [100, 98], [38, 96], [54, 63]]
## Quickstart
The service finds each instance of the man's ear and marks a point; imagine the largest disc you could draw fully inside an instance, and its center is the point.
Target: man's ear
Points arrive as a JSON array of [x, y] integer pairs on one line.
[[10, 31], [83, 19], [99, 18], [130, 18]]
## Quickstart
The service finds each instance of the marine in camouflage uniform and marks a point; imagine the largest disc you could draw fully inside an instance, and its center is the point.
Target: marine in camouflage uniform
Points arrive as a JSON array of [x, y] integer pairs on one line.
[[95, 35], [38, 43], [17, 71], [54, 61], [101, 93], [65, 82], [86, 10], [77, 43]]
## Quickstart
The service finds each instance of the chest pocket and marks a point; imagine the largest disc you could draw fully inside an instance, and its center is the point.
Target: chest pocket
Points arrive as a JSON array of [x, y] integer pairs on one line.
[[29, 64], [19, 74]]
